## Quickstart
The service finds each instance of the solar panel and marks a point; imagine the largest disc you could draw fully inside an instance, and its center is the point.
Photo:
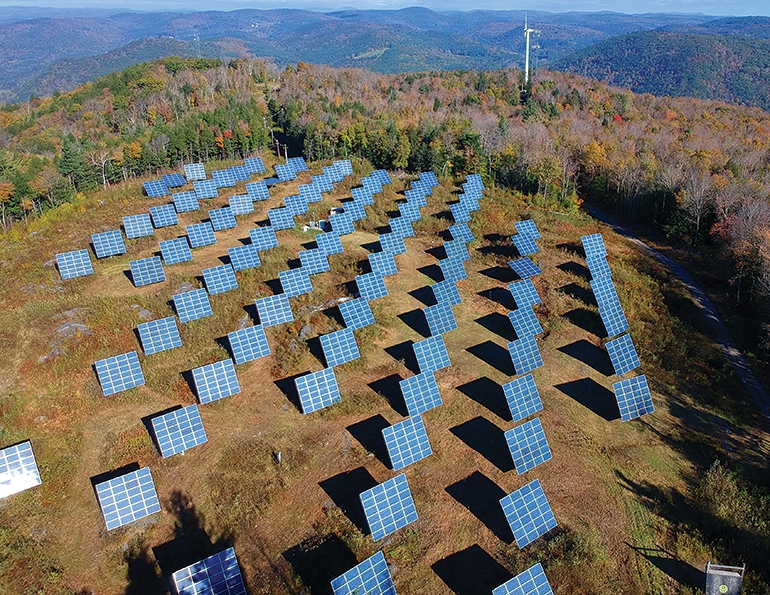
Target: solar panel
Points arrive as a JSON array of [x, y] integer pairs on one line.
[[623, 354], [420, 393], [354, 210], [453, 269], [119, 373], [127, 498], [240, 173], [192, 305], [460, 213], [295, 282], [392, 243], [254, 165], [164, 216], [339, 347], [423, 187], [388, 507], [371, 576], [241, 204], [280, 218], [220, 279], [18, 469], [323, 183], [525, 354], [342, 224], [381, 176], [524, 293], [530, 582], [356, 313], [613, 318], [175, 251], [329, 243], [314, 261], [440, 318], [416, 197], [74, 264], [201, 234], [371, 286], [593, 245], [633, 397], [525, 245], [401, 227], [372, 185], [604, 292], [310, 192], [333, 173], [285, 172], [525, 322], [244, 257], [475, 181], [184, 202], [524, 268], [297, 204], [257, 191], [108, 243], [528, 513], [216, 381], [527, 227], [206, 189], [174, 180], [528, 445], [362, 196], [409, 211], [522, 397], [216, 575], [178, 431], [223, 178], [598, 266], [263, 238], [194, 171], [159, 335], [446, 292], [298, 163], [457, 249], [248, 344], [317, 390], [462, 232], [274, 310], [431, 354], [407, 442], [470, 202], [345, 166], [138, 226], [470, 190], [155, 189], [222, 219], [429, 177], [383, 264], [147, 271]]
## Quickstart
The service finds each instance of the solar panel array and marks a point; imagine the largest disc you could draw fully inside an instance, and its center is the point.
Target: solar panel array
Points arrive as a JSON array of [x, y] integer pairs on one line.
[[108, 243], [244, 257], [522, 397], [440, 318], [192, 305], [220, 279], [446, 292], [530, 582], [147, 271], [371, 286], [524, 268], [528, 513], [223, 178], [194, 172], [297, 204], [314, 261], [18, 469], [341, 224], [525, 245], [392, 243], [184, 202], [431, 354], [206, 189], [164, 216], [462, 232], [155, 189], [254, 165], [598, 266], [528, 445], [524, 293], [525, 322], [178, 430], [257, 191], [633, 397], [280, 218], [388, 507], [383, 264], [525, 354], [175, 251], [119, 373], [274, 310], [159, 335], [295, 282], [127, 498], [453, 269], [623, 354], [420, 393], [74, 264], [401, 227], [339, 347], [248, 344], [263, 238], [216, 381], [457, 249], [285, 172], [354, 210], [222, 219], [174, 180], [201, 234], [329, 243], [317, 390], [407, 442], [370, 577], [356, 313], [216, 575], [527, 227], [460, 213], [594, 245]]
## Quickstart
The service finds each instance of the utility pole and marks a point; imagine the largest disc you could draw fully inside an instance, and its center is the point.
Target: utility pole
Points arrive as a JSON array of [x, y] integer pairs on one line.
[[527, 35]]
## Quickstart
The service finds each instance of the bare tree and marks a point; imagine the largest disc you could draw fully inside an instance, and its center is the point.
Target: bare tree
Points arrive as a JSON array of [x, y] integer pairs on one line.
[[100, 159], [697, 197]]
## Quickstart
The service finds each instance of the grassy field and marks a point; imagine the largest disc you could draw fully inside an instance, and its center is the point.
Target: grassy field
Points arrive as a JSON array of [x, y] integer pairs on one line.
[[641, 506]]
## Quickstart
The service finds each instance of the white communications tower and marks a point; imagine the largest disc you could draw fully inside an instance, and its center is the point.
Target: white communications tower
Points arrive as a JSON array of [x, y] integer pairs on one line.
[[527, 35]]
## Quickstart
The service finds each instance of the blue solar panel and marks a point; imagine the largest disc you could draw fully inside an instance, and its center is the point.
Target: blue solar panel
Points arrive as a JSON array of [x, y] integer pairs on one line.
[[248, 344], [345, 166], [525, 322], [362, 196], [274, 310], [314, 261], [263, 238], [598, 266], [524, 268], [392, 243], [317, 390], [74, 264], [285, 172], [634, 398], [329, 243], [201, 234], [429, 177], [339, 347], [119, 373], [342, 224], [383, 264], [453, 269], [371, 286], [159, 335], [604, 292], [423, 187], [241, 204], [530, 582], [323, 183], [310, 192], [410, 211], [174, 180], [147, 271], [254, 165], [431, 354], [522, 397], [280, 218], [244, 257], [333, 173], [457, 249], [354, 210], [461, 232], [356, 313], [524, 293], [528, 445], [179, 430], [240, 173], [296, 204], [446, 292], [528, 513], [623, 354], [372, 185], [388, 507], [613, 318], [525, 354], [184, 202], [298, 163], [108, 243], [192, 305], [216, 381], [257, 191], [138, 226], [440, 318], [127, 498], [470, 202], [175, 251], [416, 197], [164, 215], [155, 189], [371, 577], [216, 575], [220, 279], [401, 227], [18, 469], [525, 245], [460, 213], [381, 176], [206, 189], [475, 181], [194, 171], [527, 227], [295, 282], [593, 245], [222, 219], [420, 393], [223, 178], [407, 442]]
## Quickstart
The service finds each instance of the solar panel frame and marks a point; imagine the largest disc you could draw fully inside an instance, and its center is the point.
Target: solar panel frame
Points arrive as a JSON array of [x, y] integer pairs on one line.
[[461, 231], [146, 271], [431, 354], [223, 178], [527, 227], [593, 245], [370, 576], [598, 266], [525, 322], [248, 344], [138, 226], [525, 245], [525, 354], [530, 582], [241, 204], [222, 219], [192, 305], [522, 397], [220, 279], [440, 318], [329, 243], [175, 250], [205, 189], [18, 469], [388, 507], [185, 202], [216, 381], [371, 286], [76, 263], [407, 442], [420, 393], [216, 575], [524, 267], [457, 249], [173, 180], [446, 292], [263, 238], [274, 310], [108, 243], [194, 172], [317, 390], [178, 431], [164, 215], [244, 257], [254, 165], [356, 313], [528, 513], [524, 293], [392, 243], [159, 335], [155, 189], [295, 282], [460, 213], [528, 445], [257, 191], [314, 261], [339, 347], [201, 234], [614, 319], [383, 263], [127, 498], [453, 269], [280, 218], [633, 397], [623, 354], [341, 224], [119, 373]]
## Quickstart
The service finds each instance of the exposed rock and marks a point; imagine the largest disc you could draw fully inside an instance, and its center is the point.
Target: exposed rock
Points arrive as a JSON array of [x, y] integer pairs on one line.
[[305, 332], [185, 287], [144, 313], [243, 322]]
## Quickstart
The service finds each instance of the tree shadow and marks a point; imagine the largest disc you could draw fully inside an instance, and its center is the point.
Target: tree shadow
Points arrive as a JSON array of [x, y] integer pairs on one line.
[[288, 387], [488, 393], [502, 274], [494, 355], [588, 320], [390, 390], [682, 572], [404, 352], [481, 496], [319, 560], [592, 395], [591, 355], [487, 439], [415, 320], [345, 488], [498, 324], [369, 433], [501, 296], [579, 293], [142, 572], [424, 295], [576, 269], [471, 571], [432, 271]]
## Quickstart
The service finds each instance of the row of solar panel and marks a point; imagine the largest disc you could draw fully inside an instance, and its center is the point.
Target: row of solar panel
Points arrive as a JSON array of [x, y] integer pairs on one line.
[[524, 239], [195, 172]]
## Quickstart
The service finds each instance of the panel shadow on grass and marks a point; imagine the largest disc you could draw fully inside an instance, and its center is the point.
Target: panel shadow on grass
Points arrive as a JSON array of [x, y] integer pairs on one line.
[[415, 320], [344, 490], [369, 433], [573, 249], [425, 295], [314, 346], [503, 274], [488, 393], [439, 252], [404, 352], [288, 387], [487, 439], [319, 560], [481, 496], [471, 571], [432, 271], [494, 355], [498, 324], [388, 388], [588, 320], [499, 295], [578, 293], [593, 396], [591, 355], [576, 269]]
